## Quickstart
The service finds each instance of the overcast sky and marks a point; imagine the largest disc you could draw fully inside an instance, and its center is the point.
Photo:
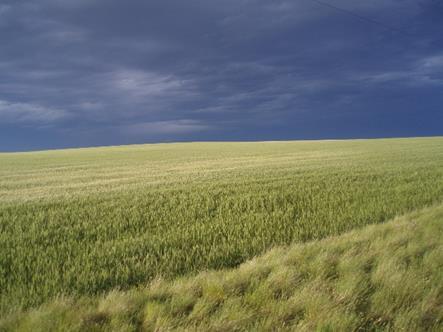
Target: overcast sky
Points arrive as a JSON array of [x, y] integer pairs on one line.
[[102, 72]]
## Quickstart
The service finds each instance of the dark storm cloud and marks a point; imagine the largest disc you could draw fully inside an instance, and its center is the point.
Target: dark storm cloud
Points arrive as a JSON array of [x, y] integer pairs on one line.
[[110, 72]]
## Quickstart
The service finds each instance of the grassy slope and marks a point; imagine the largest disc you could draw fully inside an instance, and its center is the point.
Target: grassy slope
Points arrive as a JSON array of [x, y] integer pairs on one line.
[[89, 220], [381, 277]]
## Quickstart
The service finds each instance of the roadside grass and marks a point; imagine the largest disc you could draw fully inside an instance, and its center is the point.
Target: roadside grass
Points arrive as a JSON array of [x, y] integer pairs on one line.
[[86, 221], [386, 277]]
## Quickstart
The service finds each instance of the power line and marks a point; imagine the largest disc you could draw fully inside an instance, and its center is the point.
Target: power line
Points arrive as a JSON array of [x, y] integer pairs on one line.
[[361, 17]]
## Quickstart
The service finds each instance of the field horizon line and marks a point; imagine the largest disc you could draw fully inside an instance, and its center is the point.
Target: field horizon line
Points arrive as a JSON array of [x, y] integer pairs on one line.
[[186, 142]]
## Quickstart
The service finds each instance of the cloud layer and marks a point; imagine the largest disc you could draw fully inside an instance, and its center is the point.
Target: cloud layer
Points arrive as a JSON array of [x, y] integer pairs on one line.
[[110, 72]]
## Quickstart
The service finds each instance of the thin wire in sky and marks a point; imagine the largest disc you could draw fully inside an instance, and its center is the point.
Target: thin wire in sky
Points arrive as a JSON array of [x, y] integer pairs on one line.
[[361, 17]]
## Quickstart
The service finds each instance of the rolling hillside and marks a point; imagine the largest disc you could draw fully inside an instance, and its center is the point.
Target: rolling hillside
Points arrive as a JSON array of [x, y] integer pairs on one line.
[[83, 222]]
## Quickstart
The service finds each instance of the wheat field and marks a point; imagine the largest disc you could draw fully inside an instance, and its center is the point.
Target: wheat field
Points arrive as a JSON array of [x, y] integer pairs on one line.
[[82, 222], [384, 277]]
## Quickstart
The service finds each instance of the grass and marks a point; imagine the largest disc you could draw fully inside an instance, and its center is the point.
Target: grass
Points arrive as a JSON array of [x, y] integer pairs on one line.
[[86, 221], [385, 277]]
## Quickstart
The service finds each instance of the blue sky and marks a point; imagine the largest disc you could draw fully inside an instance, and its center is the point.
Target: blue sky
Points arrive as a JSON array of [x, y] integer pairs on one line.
[[105, 72]]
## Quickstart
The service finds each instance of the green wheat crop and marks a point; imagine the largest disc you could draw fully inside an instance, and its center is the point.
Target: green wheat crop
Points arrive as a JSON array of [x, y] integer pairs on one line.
[[386, 277], [84, 221]]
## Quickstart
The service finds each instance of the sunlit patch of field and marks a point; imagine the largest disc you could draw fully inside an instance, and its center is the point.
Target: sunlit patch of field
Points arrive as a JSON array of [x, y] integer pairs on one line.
[[85, 221]]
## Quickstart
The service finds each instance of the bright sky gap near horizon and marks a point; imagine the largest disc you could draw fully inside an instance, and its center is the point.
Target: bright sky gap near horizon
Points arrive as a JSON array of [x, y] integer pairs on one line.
[[102, 72]]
